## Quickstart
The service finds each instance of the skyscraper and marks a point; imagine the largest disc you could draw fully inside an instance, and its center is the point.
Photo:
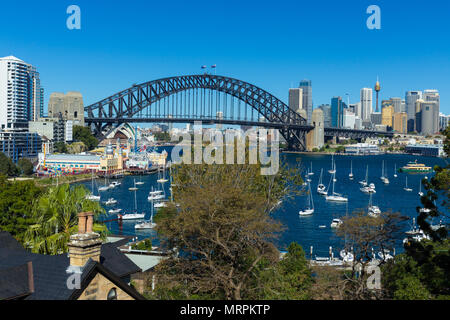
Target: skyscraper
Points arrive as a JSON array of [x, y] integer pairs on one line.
[[326, 109], [387, 112], [397, 103], [20, 94], [410, 98], [399, 122], [307, 103], [296, 99], [337, 112], [431, 96], [366, 104]]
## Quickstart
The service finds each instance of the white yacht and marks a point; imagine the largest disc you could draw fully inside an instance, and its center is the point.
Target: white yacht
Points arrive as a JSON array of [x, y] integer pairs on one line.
[[385, 255], [132, 216], [133, 188], [364, 182], [333, 165], [146, 224], [92, 196], [162, 179], [350, 175], [406, 185], [373, 211], [114, 184], [107, 186], [311, 173], [140, 182], [420, 189], [414, 229], [336, 223], [114, 211], [419, 236], [395, 170], [160, 205], [346, 256], [110, 201], [320, 187], [155, 195], [336, 197], [310, 209]]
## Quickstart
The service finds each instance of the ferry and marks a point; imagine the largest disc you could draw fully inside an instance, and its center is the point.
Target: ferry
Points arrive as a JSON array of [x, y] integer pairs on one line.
[[414, 167]]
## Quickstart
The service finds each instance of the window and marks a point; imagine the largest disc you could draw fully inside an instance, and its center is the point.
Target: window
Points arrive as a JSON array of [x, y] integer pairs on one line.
[[112, 294]]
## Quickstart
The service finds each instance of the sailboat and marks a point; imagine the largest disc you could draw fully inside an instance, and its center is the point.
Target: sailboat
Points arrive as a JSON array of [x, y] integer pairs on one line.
[[350, 175], [383, 176], [92, 196], [420, 189], [155, 195], [406, 185], [140, 182], [110, 201], [307, 176], [135, 215], [311, 173], [163, 178], [333, 165], [364, 182], [106, 187], [395, 170], [320, 187], [133, 188], [310, 209], [335, 196], [146, 224], [373, 211]]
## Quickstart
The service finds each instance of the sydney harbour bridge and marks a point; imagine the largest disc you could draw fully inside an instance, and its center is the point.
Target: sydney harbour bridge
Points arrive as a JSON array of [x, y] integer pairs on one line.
[[211, 99]]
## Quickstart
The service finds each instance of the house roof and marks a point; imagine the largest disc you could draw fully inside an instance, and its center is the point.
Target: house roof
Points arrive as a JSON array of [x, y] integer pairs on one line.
[[49, 276]]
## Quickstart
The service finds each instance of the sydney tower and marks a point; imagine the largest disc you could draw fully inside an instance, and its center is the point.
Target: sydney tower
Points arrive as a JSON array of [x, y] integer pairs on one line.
[[377, 89]]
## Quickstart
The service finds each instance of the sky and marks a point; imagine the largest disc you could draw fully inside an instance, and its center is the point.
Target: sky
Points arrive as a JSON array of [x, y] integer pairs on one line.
[[272, 44]]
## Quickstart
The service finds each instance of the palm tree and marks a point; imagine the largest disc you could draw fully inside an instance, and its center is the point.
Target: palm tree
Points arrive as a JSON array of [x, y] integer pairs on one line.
[[55, 213]]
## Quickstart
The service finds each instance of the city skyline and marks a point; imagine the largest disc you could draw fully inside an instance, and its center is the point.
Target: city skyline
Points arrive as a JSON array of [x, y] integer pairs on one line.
[[94, 62]]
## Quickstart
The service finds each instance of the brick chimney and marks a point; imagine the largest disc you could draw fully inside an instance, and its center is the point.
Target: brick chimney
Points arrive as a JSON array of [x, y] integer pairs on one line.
[[86, 244]]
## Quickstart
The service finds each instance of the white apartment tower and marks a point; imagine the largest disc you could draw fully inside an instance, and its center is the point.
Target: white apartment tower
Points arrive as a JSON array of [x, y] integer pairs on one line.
[[366, 103], [21, 98]]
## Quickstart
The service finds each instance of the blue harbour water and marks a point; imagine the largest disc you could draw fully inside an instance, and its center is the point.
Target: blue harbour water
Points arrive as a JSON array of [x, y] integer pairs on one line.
[[304, 230]]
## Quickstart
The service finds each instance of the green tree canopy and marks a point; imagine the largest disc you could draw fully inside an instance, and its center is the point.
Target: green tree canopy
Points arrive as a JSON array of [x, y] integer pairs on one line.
[[7, 167], [25, 166], [84, 134]]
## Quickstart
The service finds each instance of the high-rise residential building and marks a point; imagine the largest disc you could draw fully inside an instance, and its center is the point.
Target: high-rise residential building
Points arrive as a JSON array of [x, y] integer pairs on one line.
[[358, 111], [366, 104], [69, 105], [349, 119], [400, 122], [307, 102], [337, 112], [326, 109], [410, 98], [444, 121], [21, 95], [387, 112], [296, 99]]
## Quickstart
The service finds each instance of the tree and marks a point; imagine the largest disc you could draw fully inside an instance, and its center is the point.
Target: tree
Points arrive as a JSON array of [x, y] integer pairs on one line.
[[60, 147], [7, 167], [16, 205], [363, 235], [84, 134], [56, 217], [221, 230], [25, 166]]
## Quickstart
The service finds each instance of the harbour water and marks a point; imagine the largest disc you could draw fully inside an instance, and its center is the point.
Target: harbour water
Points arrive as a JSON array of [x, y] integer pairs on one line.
[[305, 230]]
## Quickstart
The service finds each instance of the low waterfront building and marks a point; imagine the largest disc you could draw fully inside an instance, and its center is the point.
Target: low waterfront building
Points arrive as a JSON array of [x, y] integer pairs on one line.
[[362, 149], [429, 150]]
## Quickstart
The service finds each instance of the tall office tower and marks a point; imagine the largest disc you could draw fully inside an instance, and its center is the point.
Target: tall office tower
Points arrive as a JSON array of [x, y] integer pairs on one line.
[[400, 122], [358, 111], [349, 119], [377, 90], [296, 99], [366, 104], [337, 112], [20, 94], [307, 103], [387, 112], [375, 118], [429, 114], [69, 105], [410, 98], [397, 103], [433, 96], [326, 109]]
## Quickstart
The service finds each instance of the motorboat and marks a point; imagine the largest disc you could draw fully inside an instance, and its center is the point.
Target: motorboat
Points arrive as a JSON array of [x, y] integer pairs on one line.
[[336, 223], [367, 189], [115, 211], [310, 209], [418, 237], [114, 184], [110, 201]]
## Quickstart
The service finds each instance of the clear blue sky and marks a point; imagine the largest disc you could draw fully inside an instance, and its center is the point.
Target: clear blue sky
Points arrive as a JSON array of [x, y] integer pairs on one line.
[[273, 44]]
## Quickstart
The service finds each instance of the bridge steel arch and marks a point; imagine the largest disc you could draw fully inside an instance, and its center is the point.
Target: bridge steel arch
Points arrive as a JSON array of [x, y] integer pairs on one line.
[[125, 105]]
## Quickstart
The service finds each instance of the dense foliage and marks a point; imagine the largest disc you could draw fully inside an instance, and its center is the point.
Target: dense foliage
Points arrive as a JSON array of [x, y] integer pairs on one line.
[[84, 134], [7, 167]]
